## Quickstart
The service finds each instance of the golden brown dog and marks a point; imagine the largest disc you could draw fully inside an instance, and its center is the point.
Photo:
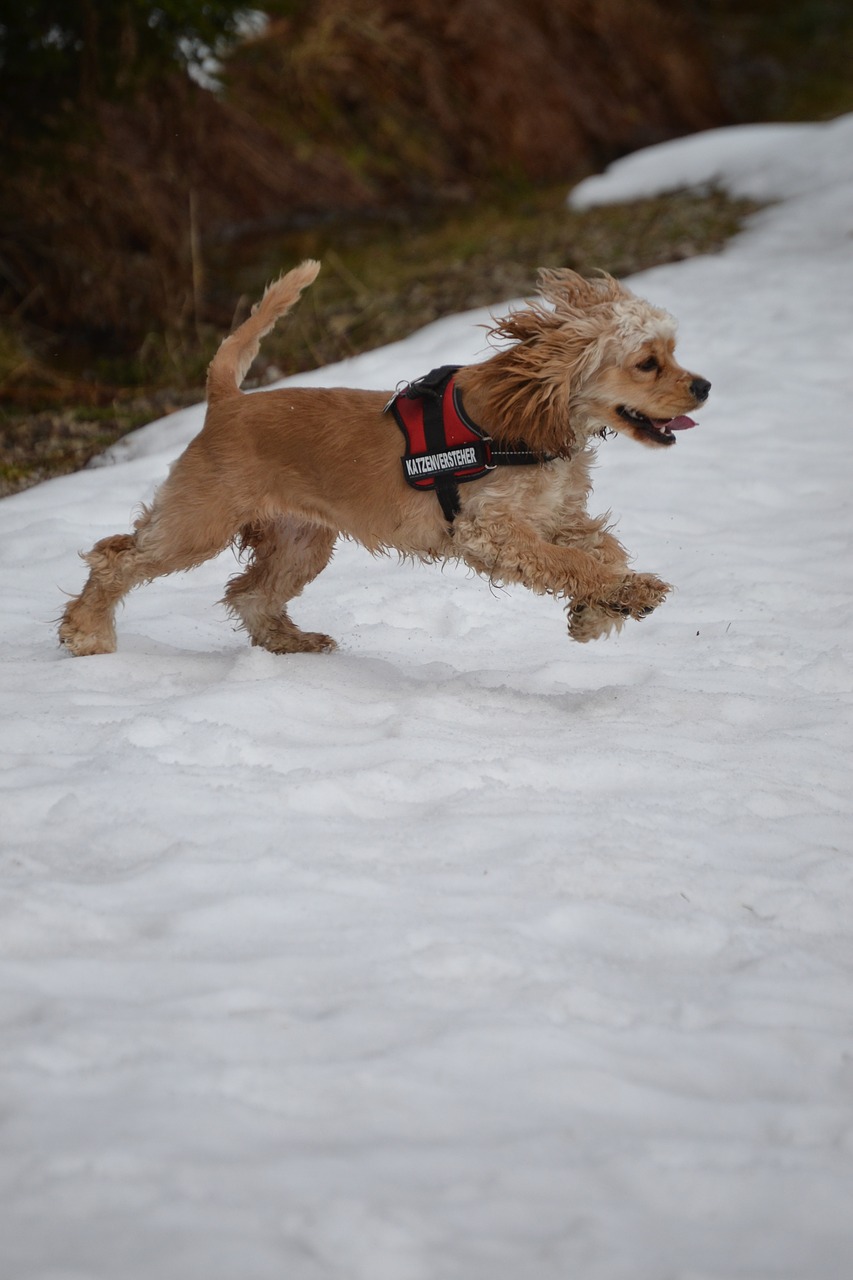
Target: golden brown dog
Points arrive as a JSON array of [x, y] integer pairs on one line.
[[282, 474]]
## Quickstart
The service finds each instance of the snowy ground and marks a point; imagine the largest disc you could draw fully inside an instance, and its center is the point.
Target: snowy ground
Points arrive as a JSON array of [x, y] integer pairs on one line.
[[465, 953]]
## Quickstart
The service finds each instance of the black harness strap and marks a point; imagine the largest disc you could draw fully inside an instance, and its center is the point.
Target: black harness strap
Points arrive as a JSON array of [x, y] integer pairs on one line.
[[446, 487], [444, 448]]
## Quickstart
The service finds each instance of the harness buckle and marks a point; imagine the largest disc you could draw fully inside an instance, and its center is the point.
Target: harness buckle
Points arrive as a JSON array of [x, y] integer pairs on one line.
[[402, 389]]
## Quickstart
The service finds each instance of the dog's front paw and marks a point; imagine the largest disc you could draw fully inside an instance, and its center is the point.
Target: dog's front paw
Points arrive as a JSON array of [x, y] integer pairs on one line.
[[587, 621], [634, 596]]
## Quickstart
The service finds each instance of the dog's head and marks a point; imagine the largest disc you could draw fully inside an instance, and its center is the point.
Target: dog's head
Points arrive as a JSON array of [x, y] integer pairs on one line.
[[629, 379], [597, 358]]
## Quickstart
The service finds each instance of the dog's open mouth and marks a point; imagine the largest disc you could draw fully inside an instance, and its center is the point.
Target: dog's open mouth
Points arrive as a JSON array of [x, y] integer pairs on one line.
[[660, 430]]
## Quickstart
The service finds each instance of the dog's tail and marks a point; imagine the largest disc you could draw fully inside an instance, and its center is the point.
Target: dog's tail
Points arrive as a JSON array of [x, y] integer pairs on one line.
[[231, 363]]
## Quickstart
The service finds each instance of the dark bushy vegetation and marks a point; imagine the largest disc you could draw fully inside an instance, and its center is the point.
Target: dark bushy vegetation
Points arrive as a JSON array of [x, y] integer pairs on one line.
[[58, 57], [338, 108], [780, 59]]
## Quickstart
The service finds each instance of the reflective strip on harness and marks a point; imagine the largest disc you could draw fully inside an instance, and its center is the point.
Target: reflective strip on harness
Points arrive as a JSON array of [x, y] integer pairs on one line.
[[426, 464]]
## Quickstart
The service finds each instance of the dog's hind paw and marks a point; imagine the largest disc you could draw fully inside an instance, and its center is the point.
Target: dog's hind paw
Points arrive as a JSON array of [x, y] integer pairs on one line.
[[319, 643], [296, 641], [85, 635]]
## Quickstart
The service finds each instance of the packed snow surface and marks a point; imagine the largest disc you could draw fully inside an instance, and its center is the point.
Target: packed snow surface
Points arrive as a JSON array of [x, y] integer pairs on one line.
[[465, 953]]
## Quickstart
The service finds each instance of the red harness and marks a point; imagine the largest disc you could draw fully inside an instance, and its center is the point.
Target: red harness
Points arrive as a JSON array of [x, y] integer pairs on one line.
[[444, 448]]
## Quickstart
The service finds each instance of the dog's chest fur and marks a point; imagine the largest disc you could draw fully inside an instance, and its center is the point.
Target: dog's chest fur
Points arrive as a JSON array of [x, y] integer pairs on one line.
[[542, 497]]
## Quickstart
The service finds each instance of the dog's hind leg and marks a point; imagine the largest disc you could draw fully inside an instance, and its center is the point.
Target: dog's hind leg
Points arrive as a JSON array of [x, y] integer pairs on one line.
[[175, 533], [286, 554]]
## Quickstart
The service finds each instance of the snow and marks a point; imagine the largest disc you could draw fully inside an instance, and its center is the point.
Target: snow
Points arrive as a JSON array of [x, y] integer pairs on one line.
[[465, 953], [761, 161]]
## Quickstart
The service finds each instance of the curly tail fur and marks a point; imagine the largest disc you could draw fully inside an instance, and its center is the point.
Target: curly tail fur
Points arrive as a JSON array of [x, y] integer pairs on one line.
[[232, 361]]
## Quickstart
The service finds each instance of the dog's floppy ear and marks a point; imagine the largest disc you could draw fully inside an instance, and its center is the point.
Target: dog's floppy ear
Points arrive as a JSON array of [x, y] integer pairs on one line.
[[568, 291]]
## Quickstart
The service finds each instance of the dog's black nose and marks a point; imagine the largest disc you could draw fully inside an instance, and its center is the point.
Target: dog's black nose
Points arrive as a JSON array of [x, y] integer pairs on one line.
[[699, 388]]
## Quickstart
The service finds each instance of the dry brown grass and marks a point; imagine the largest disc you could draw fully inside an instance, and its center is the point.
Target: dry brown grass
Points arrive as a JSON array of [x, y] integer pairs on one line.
[[425, 97]]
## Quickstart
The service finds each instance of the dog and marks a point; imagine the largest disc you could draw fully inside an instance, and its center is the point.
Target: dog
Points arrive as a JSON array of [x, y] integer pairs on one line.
[[281, 474]]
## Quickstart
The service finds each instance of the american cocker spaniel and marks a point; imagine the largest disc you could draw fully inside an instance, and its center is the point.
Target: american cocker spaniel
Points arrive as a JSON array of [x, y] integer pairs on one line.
[[487, 463]]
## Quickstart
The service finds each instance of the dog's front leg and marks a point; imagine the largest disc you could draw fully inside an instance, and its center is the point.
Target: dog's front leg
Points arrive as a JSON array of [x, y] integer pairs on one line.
[[591, 620], [602, 593], [592, 534]]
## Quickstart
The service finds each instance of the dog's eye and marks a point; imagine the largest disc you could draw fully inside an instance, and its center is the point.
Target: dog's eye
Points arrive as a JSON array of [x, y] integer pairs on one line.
[[649, 365]]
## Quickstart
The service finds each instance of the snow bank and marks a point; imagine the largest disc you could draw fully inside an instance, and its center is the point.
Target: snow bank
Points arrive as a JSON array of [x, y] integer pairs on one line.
[[760, 161]]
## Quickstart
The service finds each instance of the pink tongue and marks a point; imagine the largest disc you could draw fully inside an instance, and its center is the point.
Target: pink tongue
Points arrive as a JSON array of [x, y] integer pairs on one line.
[[679, 424]]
